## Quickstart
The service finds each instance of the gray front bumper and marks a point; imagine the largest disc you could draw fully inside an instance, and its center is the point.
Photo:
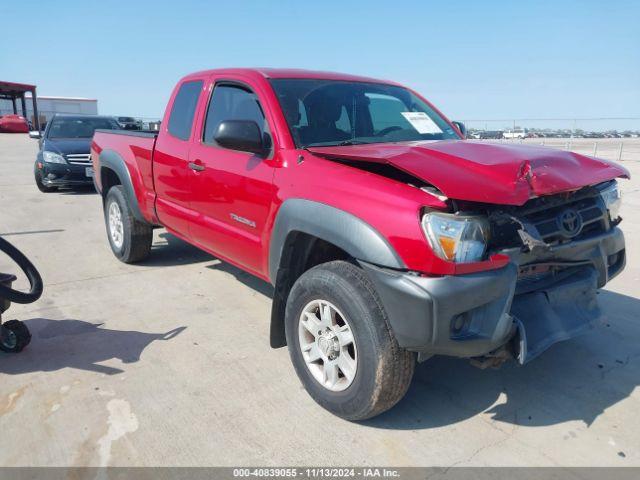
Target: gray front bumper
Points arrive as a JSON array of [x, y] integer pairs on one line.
[[473, 315]]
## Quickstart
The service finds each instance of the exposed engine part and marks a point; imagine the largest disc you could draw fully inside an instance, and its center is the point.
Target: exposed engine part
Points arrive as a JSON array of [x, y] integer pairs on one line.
[[393, 173], [528, 235], [494, 359], [530, 241], [382, 169]]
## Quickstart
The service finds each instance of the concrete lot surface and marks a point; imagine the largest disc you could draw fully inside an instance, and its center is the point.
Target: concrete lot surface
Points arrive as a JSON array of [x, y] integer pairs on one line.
[[168, 363]]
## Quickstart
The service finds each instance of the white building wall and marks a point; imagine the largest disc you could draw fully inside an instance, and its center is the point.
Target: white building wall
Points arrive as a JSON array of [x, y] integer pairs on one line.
[[48, 106]]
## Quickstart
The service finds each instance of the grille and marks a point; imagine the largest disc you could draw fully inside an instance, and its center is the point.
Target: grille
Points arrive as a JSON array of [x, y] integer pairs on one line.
[[79, 159], [542, 218], [590, 211]]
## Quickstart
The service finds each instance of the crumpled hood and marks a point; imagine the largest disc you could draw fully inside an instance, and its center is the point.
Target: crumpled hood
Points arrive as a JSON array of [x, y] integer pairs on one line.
[[496, 173]]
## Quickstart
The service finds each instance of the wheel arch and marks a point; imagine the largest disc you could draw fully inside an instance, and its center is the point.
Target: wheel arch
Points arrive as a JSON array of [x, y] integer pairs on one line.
[[114, 171], [307, 233]]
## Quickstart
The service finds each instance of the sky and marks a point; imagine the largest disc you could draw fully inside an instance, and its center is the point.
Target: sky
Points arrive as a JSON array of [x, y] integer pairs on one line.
[[473, 59]]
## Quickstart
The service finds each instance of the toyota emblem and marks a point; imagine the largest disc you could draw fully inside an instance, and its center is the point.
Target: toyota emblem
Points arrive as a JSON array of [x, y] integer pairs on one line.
[[570, 223]]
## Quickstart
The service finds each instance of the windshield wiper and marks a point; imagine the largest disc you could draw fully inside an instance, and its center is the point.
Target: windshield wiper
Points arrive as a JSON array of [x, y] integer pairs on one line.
[[344, 143]]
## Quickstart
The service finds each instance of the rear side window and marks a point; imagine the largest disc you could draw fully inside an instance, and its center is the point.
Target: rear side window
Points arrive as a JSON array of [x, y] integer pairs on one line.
[[230, 102], [183, 110]]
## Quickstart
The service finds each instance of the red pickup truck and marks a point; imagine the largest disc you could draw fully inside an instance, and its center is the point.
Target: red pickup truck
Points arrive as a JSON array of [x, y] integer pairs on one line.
[[388, 237]]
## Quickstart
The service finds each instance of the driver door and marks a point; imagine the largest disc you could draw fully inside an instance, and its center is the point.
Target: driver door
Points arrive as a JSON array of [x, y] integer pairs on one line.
[[231, 191]]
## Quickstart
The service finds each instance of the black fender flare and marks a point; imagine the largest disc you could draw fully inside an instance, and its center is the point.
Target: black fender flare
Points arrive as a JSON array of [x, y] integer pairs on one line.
[[345, 230], [110, 159]]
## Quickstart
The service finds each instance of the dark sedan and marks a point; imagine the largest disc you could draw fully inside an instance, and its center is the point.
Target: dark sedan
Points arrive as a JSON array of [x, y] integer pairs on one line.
[[129, 123], [63, 159]]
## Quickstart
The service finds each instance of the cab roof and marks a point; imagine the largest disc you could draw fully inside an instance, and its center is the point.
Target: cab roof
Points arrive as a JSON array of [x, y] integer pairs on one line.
[[268, 73]]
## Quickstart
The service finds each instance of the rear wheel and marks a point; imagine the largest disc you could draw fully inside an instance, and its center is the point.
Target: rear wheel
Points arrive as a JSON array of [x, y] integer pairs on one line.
[[341, 345], [130, 239]]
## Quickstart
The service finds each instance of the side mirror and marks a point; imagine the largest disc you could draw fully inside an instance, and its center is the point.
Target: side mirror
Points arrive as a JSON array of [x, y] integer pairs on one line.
[[462, 128], [243, 135], [35, 134]]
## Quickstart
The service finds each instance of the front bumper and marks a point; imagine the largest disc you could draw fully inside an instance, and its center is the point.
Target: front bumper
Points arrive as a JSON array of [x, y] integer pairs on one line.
[[61, 175], [474, 315]]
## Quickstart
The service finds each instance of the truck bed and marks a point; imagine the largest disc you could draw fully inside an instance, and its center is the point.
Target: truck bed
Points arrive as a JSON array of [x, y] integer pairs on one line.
[[135, 148], [131, 133]]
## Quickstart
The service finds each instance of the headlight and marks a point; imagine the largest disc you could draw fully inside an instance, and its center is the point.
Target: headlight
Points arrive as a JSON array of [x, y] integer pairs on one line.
[[612, 198], [457, 238], [52, 157]]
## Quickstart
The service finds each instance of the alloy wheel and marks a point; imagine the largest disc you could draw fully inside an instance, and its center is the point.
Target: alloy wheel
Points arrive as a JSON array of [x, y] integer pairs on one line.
[[116, 227], [327, 344]]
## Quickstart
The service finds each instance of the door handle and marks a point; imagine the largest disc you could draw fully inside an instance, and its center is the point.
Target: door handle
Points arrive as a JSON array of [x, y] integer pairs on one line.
[[196, 167]]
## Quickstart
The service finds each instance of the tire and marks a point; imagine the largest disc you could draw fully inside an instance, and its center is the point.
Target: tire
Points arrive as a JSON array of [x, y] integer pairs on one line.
[[383, 370], [41, 186], [132, 239], [15, 336]]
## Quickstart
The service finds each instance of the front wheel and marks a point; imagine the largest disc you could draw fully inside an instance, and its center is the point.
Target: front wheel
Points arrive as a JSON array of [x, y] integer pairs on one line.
[[130, 239], [341, 345]]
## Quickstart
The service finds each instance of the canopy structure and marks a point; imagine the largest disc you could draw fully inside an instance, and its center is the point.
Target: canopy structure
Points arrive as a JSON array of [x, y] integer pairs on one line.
[[14, 91]]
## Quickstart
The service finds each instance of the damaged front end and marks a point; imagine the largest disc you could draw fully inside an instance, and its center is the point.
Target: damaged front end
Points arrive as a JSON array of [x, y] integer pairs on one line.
[[560, 249], [565, 247], [551, 242]]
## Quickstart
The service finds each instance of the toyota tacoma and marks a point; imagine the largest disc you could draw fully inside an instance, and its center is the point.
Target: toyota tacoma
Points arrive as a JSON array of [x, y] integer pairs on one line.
[[388, 237]]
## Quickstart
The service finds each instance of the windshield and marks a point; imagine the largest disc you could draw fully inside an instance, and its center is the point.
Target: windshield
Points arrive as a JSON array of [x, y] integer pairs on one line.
[[330, 112], [79, 127]]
